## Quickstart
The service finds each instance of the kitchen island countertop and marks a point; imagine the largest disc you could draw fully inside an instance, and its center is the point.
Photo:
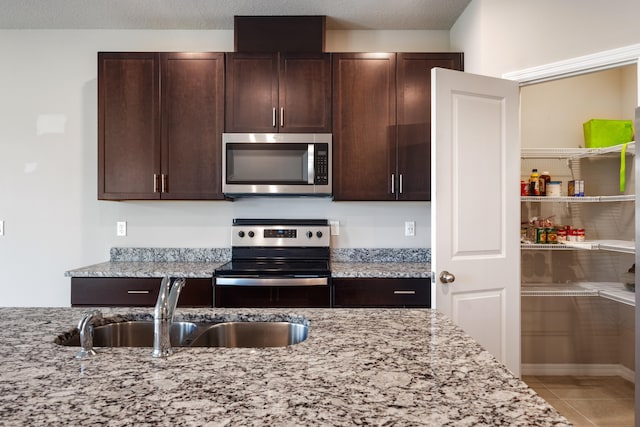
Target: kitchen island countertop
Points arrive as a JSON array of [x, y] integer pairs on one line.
[[378, 366]]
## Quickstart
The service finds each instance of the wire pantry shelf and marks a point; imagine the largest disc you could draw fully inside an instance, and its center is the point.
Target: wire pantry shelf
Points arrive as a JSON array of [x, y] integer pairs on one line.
[[624, 246], [575, 153], [585, 199]]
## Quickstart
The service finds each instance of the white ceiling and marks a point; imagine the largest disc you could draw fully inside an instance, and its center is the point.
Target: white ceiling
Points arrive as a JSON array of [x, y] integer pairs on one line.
[[218, 14]]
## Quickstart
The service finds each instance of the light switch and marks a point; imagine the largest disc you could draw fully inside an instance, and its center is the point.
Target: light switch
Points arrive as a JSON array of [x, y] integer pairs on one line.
[[1, 227], [335, 228]]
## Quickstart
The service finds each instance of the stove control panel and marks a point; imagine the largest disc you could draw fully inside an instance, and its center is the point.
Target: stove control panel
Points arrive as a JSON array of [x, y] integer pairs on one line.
[[274, 235]]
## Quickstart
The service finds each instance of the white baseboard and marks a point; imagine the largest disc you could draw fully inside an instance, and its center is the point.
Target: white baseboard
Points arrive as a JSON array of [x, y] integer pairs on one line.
[[586, 369]]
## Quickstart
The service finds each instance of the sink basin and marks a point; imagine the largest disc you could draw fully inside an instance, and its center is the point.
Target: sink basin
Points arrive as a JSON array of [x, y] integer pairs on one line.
[[188, 334], [133, 334], [250, 334]]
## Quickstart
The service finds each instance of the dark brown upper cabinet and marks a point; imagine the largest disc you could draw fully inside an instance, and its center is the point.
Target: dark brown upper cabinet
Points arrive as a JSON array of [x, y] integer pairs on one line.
[[414, 120], [364, 118], [160, 124], [278, 92], [382, 124]]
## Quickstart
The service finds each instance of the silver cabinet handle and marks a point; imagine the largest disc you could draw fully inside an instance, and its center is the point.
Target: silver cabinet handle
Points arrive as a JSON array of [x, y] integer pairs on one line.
[[400, 183], [273, 118], [137, 292], [281, 117], [155, 182], [404, 292], [446, 277], [393, 183], [163, 181]]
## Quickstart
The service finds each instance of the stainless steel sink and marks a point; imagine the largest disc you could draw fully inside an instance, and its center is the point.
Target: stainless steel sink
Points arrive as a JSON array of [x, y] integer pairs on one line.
[[250, 334], [188, 334], [133, 334]]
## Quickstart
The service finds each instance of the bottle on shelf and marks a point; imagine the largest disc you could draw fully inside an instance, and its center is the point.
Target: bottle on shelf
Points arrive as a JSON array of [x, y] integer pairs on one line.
[[534, 183], [544, 180]]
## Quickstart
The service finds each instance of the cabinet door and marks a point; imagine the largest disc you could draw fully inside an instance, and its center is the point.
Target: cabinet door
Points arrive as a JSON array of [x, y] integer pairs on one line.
[[128, 125], [305, 93], [135, 292], [252, 92], [371, 292], [192, 125], [414, 120], [364, 118]]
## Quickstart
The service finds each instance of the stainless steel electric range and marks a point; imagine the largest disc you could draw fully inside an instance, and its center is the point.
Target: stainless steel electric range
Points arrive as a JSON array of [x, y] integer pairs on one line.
[[276, 263]]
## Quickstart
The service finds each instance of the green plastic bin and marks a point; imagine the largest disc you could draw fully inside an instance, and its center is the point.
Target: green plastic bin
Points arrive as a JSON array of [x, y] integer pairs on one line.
[[600, 133]]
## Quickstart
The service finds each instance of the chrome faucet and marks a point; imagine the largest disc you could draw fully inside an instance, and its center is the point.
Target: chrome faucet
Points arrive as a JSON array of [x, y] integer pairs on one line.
[[86, 333], [163, 315]]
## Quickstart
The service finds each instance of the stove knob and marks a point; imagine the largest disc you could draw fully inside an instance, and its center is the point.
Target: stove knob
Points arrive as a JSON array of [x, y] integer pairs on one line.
[[251, 234], [240, 233], [309, 234], [319, 234]]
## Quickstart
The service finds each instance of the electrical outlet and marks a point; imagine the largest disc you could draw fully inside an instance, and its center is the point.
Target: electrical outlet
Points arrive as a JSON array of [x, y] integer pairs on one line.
[[410, 228], [1, 227], [335, 228], [121, 228]]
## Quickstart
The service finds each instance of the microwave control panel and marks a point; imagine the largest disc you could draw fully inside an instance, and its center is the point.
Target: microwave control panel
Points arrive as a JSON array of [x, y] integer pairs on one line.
[[321, 164]]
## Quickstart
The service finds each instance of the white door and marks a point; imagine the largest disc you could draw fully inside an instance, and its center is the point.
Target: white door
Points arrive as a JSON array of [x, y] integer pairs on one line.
[[475, 209]]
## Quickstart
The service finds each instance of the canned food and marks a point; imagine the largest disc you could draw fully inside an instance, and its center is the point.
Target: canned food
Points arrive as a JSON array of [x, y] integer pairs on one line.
[[573, 235], [552, 236], [541, 235], [580, 235], [562, 236]]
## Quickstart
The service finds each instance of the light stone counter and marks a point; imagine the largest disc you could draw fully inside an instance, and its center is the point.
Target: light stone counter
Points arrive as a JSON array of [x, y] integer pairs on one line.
[[358, 367], [146, 269], [381, 270]]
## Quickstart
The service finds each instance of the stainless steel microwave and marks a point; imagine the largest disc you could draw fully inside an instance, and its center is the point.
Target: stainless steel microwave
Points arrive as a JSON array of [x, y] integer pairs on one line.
[[273, 164]]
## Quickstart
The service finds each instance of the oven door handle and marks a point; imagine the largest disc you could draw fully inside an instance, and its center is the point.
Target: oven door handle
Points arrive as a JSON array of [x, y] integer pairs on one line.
[[280, 281]]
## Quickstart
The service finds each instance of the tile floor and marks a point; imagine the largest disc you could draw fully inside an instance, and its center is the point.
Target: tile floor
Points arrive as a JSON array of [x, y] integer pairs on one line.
[[587, 401]]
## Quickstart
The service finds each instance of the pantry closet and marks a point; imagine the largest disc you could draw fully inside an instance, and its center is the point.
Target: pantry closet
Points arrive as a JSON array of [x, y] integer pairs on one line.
[[577, 303]]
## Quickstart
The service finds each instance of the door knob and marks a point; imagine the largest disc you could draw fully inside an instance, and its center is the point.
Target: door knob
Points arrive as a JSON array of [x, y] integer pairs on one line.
[[446, 277]]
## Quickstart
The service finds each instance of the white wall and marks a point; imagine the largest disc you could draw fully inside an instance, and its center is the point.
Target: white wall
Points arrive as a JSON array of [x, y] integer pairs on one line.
[[499, 36], [552, 113], [48, 164]]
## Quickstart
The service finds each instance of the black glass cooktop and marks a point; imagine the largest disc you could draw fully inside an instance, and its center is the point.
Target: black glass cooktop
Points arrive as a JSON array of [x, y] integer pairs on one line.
[[318, 268]]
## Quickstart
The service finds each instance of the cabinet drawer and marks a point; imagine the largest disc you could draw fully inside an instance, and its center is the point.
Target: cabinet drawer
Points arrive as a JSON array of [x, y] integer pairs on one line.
[[382, 293], [135, 292]]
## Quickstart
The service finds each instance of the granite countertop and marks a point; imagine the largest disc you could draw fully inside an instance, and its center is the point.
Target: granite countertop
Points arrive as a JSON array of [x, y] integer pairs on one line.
[[146, 269], [381, 269], [391, 367], [201, 263], [206, 270]]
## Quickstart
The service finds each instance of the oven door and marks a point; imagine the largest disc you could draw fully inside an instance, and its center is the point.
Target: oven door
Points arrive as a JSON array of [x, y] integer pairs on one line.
[[267, 292]]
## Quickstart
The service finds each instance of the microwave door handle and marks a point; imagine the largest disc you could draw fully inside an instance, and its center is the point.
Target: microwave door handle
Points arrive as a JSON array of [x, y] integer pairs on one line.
[[311, 164]]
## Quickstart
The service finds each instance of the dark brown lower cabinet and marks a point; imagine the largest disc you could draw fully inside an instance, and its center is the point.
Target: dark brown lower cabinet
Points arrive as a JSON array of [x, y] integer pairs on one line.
[[370, 292], [135, 292]]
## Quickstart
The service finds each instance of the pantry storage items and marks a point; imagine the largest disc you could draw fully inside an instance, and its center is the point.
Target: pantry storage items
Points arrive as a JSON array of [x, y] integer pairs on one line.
[[544, 180], [594, 239], [600, 133], [534, 183]]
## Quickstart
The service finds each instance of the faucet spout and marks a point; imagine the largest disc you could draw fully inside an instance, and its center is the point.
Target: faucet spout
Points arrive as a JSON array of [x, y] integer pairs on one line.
[[86, 334], [163, 315]]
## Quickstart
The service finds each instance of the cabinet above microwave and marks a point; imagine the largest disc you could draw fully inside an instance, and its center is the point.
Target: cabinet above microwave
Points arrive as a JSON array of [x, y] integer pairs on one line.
[[272, 164]]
